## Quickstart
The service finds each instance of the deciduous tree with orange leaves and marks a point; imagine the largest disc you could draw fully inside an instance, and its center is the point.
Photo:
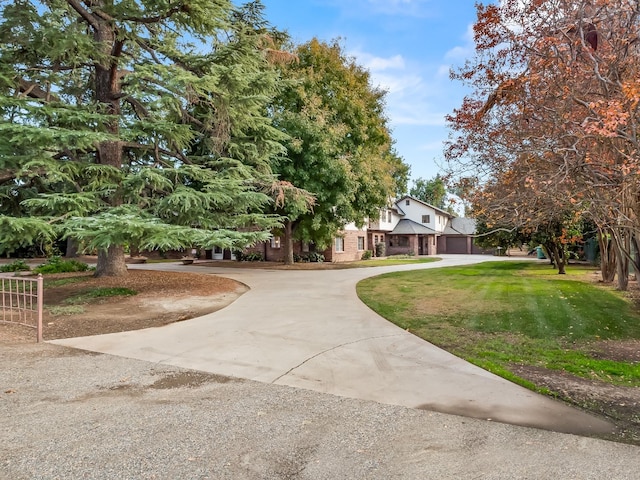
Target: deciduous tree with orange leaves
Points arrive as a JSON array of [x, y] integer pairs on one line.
[[553, 116]]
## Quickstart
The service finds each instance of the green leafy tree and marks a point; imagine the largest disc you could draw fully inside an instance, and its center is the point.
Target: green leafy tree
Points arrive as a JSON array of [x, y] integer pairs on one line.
[[135, 123], [339, 146], [433, 191]]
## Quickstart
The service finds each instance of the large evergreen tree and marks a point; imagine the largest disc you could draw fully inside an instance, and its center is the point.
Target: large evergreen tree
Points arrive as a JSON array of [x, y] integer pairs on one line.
[[340, 148], [139, 123]]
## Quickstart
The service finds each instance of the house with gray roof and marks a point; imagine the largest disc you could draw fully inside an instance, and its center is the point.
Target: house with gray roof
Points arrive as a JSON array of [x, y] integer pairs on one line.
[[411, 226], [407, 226]]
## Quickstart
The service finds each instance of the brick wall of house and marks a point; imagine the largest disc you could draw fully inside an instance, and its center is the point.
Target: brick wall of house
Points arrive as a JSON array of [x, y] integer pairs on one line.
[[276, 254], [351, 251], [374, 237], [394, 249], [269, 253]]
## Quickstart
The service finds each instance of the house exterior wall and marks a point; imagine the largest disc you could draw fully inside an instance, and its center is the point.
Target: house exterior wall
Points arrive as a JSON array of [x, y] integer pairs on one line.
[[374, 237], [270, 253], [386, 221], [395, 245], [351, 251], [415, 210]]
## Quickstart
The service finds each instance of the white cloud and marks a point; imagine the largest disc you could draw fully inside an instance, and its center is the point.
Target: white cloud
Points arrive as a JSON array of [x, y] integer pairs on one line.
[[413, 89], [431, 146], [411, 100], [417, 117], [377, 64], [397, 84], [443, 71], [412, 8], [461, 52]]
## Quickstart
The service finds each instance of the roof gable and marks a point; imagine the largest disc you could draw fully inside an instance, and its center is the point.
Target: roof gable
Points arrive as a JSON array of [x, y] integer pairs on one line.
[[425, 204]]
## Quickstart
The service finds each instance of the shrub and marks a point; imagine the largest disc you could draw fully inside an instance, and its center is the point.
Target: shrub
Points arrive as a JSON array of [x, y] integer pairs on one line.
[[57, 265], [367, 255], [15, 266], [381, 249], [249, 257], [314, 257]]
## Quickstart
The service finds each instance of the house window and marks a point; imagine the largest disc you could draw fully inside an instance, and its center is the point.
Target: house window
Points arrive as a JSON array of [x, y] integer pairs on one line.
[[407, 202], [426, 218], [305, 246], [275, 242], [339, 244], [360, 243], [403, 241], [388, 216], [375, 239]]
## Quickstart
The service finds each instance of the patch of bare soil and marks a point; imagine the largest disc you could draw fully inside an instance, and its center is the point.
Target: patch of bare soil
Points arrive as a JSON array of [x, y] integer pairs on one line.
[[618, 404], [162, 298]]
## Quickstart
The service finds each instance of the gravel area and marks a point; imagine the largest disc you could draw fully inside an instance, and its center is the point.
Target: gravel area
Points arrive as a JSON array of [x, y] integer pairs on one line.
[[68, 414]]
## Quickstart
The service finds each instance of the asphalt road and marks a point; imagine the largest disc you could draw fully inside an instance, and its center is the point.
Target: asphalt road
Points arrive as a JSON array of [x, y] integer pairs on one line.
[[68, 414]]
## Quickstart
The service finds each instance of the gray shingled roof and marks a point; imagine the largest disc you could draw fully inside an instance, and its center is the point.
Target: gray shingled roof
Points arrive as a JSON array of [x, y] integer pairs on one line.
[[409, 227], [461, 226]]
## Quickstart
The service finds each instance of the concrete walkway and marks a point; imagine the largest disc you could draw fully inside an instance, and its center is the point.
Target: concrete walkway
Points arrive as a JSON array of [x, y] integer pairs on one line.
[[308, 329]]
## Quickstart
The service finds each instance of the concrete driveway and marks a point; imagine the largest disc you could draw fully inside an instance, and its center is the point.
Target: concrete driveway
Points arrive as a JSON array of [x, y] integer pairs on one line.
[[308, 329]]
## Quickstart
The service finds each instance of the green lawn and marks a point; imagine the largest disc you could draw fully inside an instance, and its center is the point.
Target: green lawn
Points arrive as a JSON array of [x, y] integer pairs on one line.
[[501, 314], [390, 261]]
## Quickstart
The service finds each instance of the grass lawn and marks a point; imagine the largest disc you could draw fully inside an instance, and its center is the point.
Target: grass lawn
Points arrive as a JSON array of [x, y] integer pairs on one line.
[[390, 261], [497, 315]]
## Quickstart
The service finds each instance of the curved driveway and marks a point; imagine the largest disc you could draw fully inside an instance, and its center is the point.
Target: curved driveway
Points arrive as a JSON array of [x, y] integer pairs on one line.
[[308, 329]]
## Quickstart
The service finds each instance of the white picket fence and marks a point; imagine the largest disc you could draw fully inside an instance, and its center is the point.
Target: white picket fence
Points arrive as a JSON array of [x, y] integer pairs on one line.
[[22, 300]]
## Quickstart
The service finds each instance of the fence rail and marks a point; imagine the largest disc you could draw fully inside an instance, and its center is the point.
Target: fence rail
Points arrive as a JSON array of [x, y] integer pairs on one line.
[[22, 300]]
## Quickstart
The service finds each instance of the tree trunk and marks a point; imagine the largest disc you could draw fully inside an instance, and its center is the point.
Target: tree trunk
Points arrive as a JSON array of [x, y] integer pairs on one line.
[[607, 257], [111, 262], [72, 248], [623, 245], [622, 272], [636, 257], [288, 242], [108, 92], [134, 251], [557, 257]]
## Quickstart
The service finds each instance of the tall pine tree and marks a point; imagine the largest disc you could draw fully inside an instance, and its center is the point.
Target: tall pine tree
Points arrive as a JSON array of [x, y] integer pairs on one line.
[[135, 122]]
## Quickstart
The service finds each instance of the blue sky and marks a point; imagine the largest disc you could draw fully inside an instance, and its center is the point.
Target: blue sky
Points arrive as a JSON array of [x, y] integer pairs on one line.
[[408, 46]]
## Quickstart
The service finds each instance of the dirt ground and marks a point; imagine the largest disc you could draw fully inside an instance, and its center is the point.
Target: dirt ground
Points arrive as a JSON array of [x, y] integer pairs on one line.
[[166, 297], [162, 298]]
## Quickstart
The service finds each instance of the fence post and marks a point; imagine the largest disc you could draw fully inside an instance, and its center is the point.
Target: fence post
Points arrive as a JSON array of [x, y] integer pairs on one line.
[[40, 283]]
